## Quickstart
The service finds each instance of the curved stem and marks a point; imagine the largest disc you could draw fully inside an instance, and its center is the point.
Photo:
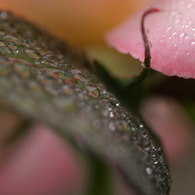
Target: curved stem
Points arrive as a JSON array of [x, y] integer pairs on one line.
[[147, 58]]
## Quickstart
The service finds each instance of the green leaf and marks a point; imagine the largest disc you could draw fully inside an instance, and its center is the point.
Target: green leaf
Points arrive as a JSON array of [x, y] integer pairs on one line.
[[46, 80]]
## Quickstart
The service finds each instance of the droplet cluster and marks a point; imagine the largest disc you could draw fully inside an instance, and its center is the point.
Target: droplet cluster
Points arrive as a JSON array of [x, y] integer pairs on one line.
[[179, 26], [52, 81]]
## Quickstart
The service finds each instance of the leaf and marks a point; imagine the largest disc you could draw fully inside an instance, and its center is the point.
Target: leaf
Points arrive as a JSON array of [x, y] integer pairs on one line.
[[46, 80]]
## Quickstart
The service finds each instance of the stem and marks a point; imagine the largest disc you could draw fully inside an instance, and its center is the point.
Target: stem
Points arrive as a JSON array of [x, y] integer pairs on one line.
[[101, 181], [147, 60]]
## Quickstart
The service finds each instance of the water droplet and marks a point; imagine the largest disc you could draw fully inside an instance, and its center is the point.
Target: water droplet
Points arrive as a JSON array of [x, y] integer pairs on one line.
[[78, 77], [147, 148], [187, 37], [50, 59], [155, 162], [5, 50], [117, 104], [144, 135], [93, 92], [75, 71], [177, 21], [96, 106], [11, 42], [4, 15], [12, 46], [148, 171], [25, 43], [2, 33], [174, 34], [143, 65], [32, 54], [141, 126], [189, 5], [2, 44], [103, 91], [10, 38], [111, 114], [112, 126], [150, 44], [37, 62], [168, 28]]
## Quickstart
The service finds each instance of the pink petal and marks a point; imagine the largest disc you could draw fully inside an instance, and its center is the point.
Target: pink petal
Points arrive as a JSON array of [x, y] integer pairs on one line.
[[171, 33], [42, 164], [169, 121]]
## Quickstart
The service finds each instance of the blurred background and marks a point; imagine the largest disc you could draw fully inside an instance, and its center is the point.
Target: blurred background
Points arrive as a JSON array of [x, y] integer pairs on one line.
[[38, 162]]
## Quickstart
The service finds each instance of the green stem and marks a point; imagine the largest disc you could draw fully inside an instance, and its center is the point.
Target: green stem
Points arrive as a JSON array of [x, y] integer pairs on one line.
[[100, 177]]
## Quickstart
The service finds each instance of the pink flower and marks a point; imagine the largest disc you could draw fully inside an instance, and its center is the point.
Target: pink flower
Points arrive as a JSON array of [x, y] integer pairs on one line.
[[171, 33], [40, 164]]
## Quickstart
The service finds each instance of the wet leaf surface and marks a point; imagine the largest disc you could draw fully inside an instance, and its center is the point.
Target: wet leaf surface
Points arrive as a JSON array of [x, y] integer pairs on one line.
[[44, 79]]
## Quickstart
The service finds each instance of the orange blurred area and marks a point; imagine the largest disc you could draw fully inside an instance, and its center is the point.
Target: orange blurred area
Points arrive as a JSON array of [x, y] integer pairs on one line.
[[81, 22]]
